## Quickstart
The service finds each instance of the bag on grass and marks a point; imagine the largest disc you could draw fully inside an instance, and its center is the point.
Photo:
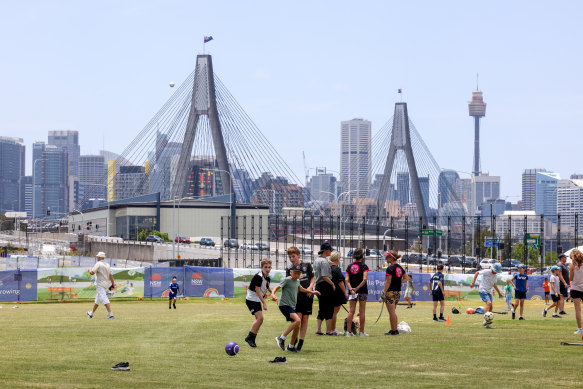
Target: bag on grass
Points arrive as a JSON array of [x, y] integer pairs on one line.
[[403, 327]]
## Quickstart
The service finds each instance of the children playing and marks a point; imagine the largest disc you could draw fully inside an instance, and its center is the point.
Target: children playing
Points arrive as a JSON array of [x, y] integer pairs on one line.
[[508, 292], [520, 283], [174, 289], [287, 304], [409, 290], [488, 282], [256, 299], [555, 286], [547, 289], [436, 289]]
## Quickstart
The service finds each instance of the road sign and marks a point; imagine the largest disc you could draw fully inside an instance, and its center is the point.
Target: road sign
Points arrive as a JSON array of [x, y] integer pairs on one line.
[[15, 214], [490, 243], [532, 240], [430, 232]]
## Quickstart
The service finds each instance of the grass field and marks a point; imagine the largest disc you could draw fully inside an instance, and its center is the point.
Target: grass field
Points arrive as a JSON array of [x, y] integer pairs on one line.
[[56, 345]]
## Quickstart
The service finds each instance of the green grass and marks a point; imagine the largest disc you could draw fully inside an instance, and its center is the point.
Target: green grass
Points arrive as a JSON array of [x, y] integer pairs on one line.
[[56, 345]]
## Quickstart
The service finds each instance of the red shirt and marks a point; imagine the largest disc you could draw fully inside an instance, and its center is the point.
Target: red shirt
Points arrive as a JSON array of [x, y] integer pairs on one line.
[[547, 286]]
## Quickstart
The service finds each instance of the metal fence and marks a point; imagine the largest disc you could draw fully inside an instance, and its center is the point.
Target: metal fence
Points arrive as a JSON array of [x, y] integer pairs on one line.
[[458, 241]]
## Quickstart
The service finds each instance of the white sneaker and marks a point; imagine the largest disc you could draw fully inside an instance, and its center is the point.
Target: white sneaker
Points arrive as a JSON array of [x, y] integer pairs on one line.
[[338, 332], [109, 317], [363, 334], [89, 314], [349, 334], [578, 332], [485, 323]]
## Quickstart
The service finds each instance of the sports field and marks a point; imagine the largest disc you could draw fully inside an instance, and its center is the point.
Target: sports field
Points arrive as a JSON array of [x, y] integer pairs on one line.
[[57, 345]]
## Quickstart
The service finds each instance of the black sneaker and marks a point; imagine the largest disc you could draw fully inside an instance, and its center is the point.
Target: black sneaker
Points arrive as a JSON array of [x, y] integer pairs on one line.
[[562, 313], [279, 360], [291, 349], [545, 312], [435, 319], [513, 315], [441, 319], [391, 332], [122, 366], [280, 342], [521, 318], [169, 307], [556, 316], [250, 342], [174, 306]]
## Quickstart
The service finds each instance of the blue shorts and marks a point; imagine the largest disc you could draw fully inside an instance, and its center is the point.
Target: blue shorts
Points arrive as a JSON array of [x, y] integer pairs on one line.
[[485, 296], [287, 311], [171, 296], [519, 295]]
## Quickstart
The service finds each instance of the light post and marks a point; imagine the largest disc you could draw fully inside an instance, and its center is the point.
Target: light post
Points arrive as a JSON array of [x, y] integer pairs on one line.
[[178, 227], [34, 193], [341, 212], [232, 205]]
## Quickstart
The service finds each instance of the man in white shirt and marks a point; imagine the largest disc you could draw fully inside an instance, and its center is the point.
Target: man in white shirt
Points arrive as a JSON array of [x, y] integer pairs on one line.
[[103, 282]]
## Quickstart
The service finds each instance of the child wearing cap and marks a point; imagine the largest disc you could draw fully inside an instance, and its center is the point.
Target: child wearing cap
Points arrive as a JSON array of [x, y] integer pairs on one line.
[[520, 284], [488, 282], [287, 305], [555, 285]]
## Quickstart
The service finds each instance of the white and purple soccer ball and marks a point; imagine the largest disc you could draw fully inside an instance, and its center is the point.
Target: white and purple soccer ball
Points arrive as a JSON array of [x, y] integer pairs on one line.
[[232, 348], [489, 317]]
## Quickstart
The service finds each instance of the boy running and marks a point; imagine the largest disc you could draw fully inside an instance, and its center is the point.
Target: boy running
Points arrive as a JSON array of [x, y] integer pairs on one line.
[[305, 301], [556, 289], [486, 284], [392, 289], [287, 304], [174, 289], [520, 283], [436, 289], [256, 298]]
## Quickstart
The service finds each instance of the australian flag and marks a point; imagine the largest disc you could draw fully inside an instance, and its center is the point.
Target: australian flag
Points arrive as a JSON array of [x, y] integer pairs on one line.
[[208, 39], [400, 90]]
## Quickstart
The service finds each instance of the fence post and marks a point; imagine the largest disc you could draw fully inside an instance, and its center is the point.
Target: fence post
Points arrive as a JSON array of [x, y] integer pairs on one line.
[[576, 230], [463, 244], [542, 244], [525, 250], [406, 242]]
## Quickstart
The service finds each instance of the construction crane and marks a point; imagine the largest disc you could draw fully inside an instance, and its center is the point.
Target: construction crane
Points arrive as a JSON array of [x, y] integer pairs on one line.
[[306, 170]]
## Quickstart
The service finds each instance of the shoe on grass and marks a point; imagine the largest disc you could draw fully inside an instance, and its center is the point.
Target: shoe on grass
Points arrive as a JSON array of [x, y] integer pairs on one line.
[[89, 314], [280, 342]]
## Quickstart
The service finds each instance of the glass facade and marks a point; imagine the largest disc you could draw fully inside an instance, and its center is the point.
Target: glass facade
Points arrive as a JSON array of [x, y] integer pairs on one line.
[[128, 227], [11, 172]]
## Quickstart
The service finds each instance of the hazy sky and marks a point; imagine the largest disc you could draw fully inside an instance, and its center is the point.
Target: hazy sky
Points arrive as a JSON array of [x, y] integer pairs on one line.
[[103, 68]]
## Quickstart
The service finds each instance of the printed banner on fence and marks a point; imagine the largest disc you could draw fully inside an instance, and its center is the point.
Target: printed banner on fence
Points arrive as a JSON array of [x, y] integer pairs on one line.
[[77, 283], [243, 277], [194, 281], [18, 285]]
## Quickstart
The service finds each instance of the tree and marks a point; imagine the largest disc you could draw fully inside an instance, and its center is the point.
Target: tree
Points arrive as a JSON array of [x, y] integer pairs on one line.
[[533, 257]]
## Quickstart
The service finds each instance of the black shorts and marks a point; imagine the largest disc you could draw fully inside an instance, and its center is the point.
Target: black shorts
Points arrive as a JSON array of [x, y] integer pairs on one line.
[[547, 294], [254, 306], [304, 304], [437, 295], [286, 310], [555, 297], [325, 301], [576, 294], [519, 295], [339, 298], [563, 290]]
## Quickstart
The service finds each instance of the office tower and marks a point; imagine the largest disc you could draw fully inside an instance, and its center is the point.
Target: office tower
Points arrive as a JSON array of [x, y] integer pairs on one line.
[[323, 187], [424, 185], [68, 141], [26, 196], [355, 157], [484, 187], [92, 178], [477, 109], [131, 181], [528, 188], [546, 194], [38, 148], [570, 202], [446, 187], [54, 183], [403, 188], [12, 153]]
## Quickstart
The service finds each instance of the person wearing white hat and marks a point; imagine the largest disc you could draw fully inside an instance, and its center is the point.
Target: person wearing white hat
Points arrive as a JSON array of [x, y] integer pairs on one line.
[[103, 280]]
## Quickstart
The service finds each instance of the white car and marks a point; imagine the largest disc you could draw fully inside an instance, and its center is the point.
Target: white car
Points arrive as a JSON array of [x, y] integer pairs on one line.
[[305, 250], [487, 263], [247, 246]]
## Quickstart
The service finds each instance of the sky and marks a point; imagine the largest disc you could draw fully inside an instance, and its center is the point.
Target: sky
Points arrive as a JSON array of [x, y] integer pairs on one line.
[[103, 69]]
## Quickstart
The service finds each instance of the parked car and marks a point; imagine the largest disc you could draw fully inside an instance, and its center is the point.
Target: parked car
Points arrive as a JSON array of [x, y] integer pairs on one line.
[[207, 242], [231, 243], [182, 239], [154, 239], [487, 263], [262, 246], [247, 246], [305, 250]]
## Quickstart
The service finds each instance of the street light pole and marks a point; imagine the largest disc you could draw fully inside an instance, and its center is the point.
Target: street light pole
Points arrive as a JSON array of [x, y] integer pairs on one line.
[[341, 212]]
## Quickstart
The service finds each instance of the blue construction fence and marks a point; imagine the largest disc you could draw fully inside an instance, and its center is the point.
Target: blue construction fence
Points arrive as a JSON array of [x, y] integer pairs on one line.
[[196, 281]]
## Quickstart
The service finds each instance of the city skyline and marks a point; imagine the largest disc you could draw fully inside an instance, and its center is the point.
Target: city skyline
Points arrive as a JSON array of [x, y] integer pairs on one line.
[[108, 88]]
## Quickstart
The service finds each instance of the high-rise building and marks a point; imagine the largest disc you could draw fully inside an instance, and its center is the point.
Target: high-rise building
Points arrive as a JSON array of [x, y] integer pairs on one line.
[[54, 183], [355, 157], [12, 153], [546, 194], [68, 141], [570, 202], [26, 197], [92, 179], [131, 181], [484, 188], [38, 148], [528, 188], [477, 109], [424, 185], [323, 186], [403, 188], [446, 187]]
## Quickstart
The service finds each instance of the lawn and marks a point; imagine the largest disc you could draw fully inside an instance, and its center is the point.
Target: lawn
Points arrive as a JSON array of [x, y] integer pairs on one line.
[[56, 345]]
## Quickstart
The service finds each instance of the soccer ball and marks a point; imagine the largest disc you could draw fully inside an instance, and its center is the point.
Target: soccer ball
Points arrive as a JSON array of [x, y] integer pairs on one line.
[[470, 311], [232, 348], [489, 317]]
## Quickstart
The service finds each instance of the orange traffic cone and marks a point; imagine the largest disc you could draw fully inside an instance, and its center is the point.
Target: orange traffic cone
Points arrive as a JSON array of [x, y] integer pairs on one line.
[[448, 322]]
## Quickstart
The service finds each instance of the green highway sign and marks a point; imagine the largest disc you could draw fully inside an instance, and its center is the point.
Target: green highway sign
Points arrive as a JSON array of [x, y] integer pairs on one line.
[[532, 240], [430, 232]]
